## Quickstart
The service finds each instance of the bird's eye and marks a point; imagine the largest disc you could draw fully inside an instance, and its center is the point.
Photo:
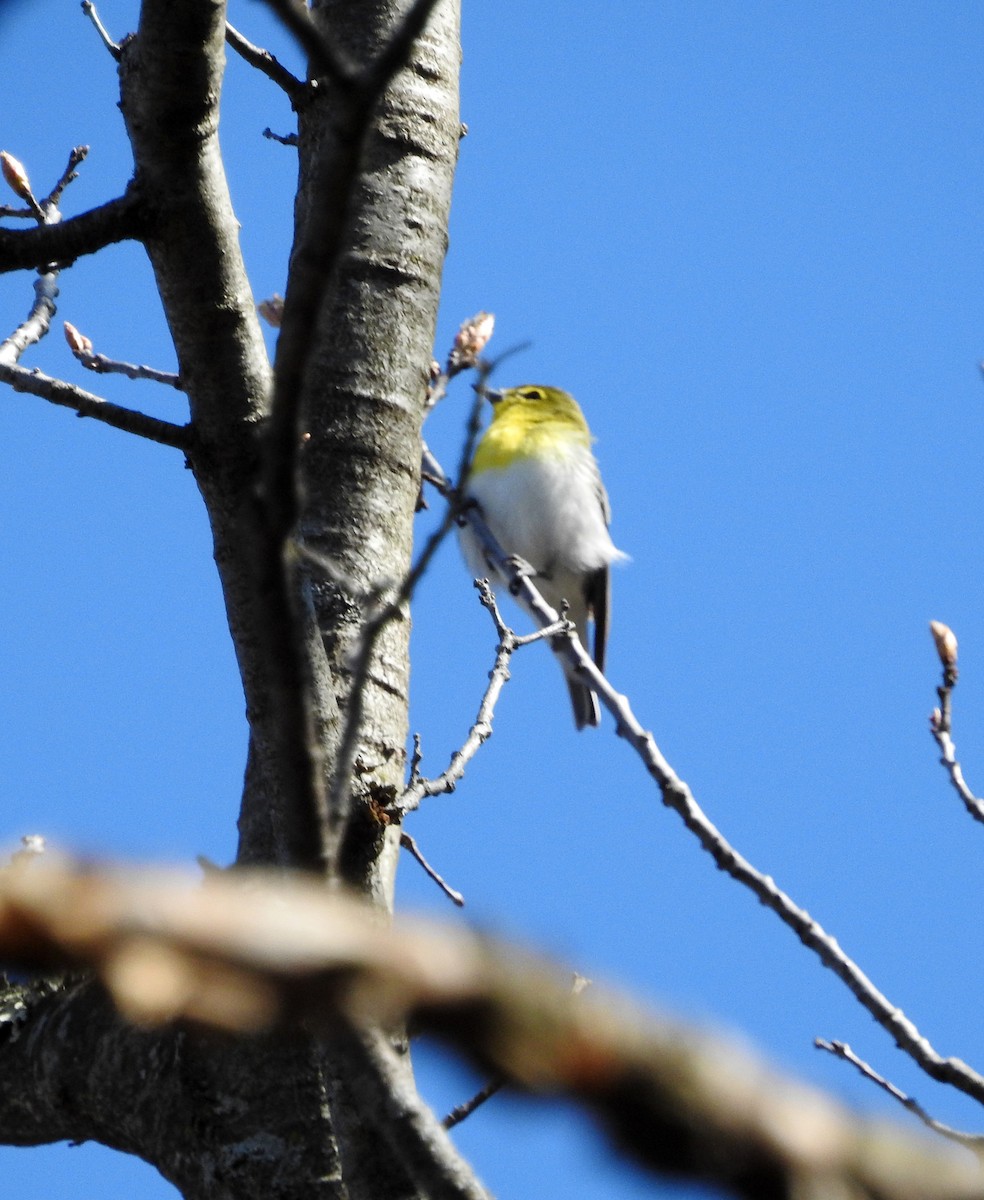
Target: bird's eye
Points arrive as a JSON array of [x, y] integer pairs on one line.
[[532, 394]]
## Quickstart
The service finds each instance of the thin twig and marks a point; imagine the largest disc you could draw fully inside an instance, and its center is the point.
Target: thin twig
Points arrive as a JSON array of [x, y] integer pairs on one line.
[[461, 1111], [102, 365], [941, 720], [843, 1051], [75, 158], [409, 843], [23, 214], [266, 63], [481, 729], [111, 366], [676, 795], [324, 56], [90, 11], [285, 139], [67, 395]]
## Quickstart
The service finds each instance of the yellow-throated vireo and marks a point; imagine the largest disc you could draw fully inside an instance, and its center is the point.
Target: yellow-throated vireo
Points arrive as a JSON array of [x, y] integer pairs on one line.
[[539, 489]]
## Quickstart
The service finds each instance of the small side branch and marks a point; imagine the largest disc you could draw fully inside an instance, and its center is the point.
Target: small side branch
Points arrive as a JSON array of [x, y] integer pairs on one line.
[[325, 57], [69, 175], [481, 729], [843, 1051], [285, 139], [90, 11], [267, 64], [941, 719], [37, 324], [408, 843], [86, 404], [81, 348], [119, 220], [461, 1111]]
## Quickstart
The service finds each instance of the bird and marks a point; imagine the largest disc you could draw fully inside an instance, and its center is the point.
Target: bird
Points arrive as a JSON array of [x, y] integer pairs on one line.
[[536, 482]]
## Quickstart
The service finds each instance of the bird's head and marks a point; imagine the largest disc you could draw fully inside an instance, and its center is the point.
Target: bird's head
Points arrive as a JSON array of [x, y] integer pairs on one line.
[[533, 403]]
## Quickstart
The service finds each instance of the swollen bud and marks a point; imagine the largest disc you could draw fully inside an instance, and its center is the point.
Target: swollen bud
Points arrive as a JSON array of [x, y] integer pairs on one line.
[[946, 643], [272, 310], [15, 175], [78, 343], [470, 340]]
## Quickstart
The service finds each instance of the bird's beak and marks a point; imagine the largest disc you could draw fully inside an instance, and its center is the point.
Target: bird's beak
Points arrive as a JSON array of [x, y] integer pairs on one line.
[[493, 395]]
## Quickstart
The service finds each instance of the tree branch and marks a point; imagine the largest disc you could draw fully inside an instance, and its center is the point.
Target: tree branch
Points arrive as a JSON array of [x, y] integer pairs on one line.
[[324, 56], [941, 719], [90, 11], [408, 843], [842, 1050], [246, 953], [81, 348], [481, 729], [676, 795], [86, 404], [266, 63], [119, 220]]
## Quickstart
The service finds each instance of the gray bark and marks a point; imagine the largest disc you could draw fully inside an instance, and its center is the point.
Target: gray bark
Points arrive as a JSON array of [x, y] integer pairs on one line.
[[264, 1117]]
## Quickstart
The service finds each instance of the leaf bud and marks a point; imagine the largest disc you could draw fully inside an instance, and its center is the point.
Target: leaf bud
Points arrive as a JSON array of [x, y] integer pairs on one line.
[[272, 310], [946, 643], [78, 343], [15, 175]]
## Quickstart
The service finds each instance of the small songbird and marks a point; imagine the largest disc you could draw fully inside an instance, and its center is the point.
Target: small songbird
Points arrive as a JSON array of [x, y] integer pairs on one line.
[[537, 484]]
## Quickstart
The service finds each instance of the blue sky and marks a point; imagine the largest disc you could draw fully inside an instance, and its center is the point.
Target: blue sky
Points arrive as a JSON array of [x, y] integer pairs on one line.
[[748, 238]]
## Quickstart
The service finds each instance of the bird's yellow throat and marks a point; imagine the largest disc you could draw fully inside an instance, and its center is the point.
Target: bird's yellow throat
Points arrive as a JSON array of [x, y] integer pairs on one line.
[[521, 428]]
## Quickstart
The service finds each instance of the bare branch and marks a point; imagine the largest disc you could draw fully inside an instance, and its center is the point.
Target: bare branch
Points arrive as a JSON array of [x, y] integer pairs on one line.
[[481, 729], [86, 404], [414, 1135], [81, 348], [461, 1111], [67, 395], [843, 1051], [266, 63], [118, 220], [285, 139], [676, 795], [325, 58], [37, 323], [941, 719], [90, 11], [69, 175], [408, 843], [315, 253], [248, 952]]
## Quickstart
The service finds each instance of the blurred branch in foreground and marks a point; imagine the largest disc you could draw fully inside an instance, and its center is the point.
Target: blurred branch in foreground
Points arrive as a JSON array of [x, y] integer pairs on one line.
[[246, 952]]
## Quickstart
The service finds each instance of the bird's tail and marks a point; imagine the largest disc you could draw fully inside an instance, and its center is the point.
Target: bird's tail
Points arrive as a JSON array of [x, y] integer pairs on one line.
[[584, 702]]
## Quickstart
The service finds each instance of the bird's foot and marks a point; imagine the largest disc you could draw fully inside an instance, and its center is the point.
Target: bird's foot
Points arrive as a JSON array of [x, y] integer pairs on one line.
[[520, 569]]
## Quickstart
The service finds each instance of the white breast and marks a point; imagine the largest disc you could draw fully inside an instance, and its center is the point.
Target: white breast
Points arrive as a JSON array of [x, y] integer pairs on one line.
[[551, 513]]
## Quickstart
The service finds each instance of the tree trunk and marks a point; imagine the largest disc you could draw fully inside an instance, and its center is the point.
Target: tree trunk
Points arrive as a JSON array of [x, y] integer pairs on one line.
[[264, 1117]]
